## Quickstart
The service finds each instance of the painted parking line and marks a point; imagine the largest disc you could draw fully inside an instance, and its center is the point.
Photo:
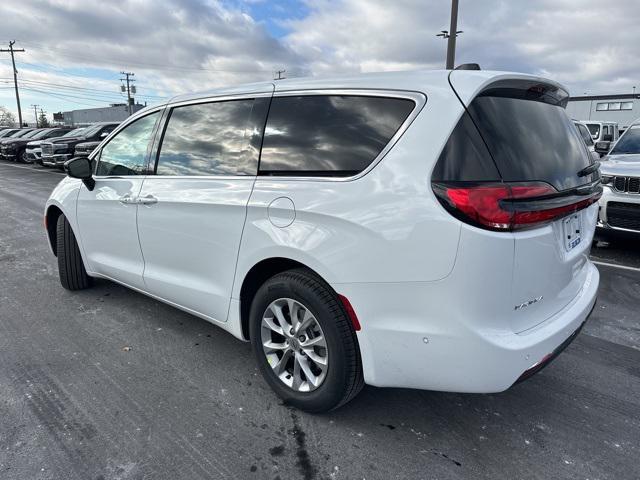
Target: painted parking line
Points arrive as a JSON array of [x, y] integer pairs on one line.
[[24, 167], [615, 265]]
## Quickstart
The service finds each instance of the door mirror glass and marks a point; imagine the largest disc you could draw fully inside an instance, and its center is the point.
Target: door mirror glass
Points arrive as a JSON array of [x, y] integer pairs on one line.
[[80, 168], [602, 147]]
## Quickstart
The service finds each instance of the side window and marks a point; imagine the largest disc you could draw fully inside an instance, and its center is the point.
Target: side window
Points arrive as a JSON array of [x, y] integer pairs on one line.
[[218, 138], [126, 153], [329, 135], [586, 136]]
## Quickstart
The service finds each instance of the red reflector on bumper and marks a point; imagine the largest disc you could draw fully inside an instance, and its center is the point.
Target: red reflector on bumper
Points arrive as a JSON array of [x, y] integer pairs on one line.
[[350, 312]]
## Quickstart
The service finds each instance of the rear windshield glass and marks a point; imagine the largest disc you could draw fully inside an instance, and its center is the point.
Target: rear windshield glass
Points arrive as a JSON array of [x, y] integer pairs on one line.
[[529, 134], [628, 143]]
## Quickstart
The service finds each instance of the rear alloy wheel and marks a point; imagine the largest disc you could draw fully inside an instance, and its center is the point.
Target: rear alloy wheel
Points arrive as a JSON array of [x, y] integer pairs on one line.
[[73, 275], [304, 342], [294, 345]]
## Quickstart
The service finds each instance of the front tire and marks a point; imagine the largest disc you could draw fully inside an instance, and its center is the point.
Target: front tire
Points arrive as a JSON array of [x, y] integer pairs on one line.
[[73, 275], [304, 343]]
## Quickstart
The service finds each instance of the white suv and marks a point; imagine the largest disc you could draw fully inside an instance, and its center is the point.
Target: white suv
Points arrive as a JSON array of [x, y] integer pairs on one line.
[[425, 229]]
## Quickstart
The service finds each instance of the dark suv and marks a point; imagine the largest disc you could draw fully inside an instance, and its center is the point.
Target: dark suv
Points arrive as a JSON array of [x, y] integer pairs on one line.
[[16, 149], [58, 150], [34, 148]]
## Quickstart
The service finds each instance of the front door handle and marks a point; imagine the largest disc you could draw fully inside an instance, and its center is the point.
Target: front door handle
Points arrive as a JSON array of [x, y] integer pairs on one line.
[[147, 200], [126, 199]]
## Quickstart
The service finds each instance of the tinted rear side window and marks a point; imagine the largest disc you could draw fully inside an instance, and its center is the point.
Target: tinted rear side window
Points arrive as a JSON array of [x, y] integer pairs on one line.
[[529, 135], [329, 135], [465, 157], [586, 136], [220, 138]]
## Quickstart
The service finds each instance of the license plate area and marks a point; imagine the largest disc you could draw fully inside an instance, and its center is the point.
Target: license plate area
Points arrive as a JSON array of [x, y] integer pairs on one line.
[[572, 230]]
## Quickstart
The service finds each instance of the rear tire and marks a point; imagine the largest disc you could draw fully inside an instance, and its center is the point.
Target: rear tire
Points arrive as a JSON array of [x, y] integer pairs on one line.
[[73, 275], [343, 377]]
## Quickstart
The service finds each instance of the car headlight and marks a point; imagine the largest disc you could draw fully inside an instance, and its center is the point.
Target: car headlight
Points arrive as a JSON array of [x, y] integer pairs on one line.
[[606, 179]]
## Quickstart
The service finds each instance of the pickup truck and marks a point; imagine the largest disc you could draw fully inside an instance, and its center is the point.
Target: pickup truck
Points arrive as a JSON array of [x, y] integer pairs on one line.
[[58, 150]]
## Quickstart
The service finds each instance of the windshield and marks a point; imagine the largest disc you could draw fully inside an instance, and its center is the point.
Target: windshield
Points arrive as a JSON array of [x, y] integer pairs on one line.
[[19, 133], [32, 134], [628, 143], [594, 128], [91, 130], [73, 133], [38, 134], [584, 133]]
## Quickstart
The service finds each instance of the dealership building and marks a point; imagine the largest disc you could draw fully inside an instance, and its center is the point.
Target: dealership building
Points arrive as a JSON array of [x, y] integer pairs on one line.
[[623, 108], [116, 112]]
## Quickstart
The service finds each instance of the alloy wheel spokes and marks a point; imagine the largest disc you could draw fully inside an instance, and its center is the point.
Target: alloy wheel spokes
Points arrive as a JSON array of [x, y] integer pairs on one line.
[[294, 345]]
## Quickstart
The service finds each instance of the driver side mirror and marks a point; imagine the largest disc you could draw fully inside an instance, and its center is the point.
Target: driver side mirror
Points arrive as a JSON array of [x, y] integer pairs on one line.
[[603, 147], [80, 168]]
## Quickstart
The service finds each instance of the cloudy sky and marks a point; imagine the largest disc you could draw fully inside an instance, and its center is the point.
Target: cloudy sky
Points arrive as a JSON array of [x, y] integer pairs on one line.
[[75, 49]]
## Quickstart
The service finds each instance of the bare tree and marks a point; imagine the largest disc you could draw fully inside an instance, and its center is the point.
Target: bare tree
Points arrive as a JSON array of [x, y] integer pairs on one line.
[[6, 117]]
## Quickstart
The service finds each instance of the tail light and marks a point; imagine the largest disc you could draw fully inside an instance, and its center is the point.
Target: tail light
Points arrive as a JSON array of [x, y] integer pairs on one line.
[[511, 206]]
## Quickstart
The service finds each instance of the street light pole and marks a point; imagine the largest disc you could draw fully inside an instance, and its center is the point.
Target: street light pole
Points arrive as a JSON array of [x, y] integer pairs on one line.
[[453, 33]]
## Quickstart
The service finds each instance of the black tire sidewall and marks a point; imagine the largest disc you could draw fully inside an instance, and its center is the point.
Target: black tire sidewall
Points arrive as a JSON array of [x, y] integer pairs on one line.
[[335, 384]]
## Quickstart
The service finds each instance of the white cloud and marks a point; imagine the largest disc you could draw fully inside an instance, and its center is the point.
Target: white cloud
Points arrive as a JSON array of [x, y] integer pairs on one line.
[[176, 46]]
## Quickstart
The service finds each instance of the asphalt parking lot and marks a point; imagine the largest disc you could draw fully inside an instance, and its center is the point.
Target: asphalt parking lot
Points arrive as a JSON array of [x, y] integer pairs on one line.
[[109, 384]]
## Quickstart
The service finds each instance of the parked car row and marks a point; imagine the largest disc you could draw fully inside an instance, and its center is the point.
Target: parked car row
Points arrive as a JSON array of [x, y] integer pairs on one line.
[[620, 173], [51, 147]]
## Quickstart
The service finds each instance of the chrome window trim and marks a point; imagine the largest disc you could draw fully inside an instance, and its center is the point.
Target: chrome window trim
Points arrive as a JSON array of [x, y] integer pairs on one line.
[[220, 98], [419, 99]]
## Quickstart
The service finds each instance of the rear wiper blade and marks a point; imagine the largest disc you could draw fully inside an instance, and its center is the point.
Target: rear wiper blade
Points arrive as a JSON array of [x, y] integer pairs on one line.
[[589, 169]]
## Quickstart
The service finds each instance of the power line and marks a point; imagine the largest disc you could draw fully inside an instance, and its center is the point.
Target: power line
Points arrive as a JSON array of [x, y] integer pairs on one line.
[[15, 75], [138, 63]]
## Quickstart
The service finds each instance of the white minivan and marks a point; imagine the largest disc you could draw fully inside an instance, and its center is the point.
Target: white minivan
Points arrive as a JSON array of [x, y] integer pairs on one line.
[[411, 229]]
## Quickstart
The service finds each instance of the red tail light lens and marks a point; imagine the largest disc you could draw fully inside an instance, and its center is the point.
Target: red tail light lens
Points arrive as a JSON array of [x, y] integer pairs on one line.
[[504, 206]]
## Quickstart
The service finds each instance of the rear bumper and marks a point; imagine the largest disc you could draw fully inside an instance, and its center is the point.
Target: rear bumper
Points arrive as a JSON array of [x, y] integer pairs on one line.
[[403, 347]]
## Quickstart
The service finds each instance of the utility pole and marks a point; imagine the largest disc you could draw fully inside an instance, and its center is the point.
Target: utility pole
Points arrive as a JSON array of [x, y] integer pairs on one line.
[[453, 29], [279, 75], [15, 75], [451, 36], [35, 112], [128, 79]]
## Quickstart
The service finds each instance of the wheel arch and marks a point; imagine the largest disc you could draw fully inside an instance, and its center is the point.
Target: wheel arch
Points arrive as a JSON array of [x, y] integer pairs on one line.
[[256, 276], [52, 214]]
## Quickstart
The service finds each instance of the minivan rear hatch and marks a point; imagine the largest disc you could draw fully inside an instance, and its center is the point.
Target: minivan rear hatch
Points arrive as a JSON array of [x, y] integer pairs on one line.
[[553, 184]]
